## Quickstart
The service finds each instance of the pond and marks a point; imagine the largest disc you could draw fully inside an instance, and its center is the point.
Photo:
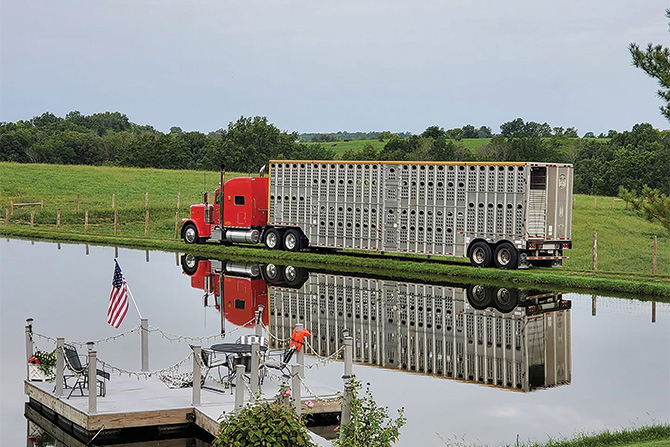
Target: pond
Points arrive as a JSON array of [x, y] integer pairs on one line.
[[472, 364]]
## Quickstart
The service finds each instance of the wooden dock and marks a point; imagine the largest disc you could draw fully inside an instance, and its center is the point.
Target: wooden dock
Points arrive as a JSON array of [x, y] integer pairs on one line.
[[149, 404]]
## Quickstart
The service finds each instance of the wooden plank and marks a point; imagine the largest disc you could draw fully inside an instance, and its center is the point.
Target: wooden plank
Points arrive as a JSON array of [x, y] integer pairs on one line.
[[56, 405], [138, 419], [206, 423]]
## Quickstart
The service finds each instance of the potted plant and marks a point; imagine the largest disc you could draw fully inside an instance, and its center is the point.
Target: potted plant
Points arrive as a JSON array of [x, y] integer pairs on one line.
[[41, 366]]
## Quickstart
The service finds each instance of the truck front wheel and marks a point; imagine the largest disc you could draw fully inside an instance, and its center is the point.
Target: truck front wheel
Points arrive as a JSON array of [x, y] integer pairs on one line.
[[505, 256], [272, 239], [190, 234]]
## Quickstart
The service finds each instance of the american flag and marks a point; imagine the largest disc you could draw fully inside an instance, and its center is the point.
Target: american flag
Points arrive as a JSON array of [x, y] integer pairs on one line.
[[118, 298]]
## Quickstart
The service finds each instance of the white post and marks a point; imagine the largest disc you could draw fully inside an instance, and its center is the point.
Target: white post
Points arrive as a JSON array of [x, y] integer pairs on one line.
[[197, 355], [239, 386], [60, 366], [258, 329], [295, 387], [144, 335], [347, 377], [92, 382], [29, 344], [255, 366]]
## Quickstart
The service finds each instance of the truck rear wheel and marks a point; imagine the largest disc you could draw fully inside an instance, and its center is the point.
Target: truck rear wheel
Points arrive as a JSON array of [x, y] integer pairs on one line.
[[190, 234], [292, 240], [272, 239], [481, 254], [479, 296], [505, 256], [505, 299]]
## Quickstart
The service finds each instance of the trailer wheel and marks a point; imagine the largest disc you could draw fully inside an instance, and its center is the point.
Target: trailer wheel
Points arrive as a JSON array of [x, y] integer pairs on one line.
[[481, 254], [506, 256], [190, 234], [292, 240], [295, 276], [479, 296], [272, 239], [505, 299]]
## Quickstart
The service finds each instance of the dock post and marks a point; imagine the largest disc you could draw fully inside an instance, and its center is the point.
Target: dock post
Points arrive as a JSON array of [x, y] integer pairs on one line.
[[29, 345], [255, 366], [144, 332], [92, 382], [295, 388], [197, 355], [60, 366], [348, 378], [239, 386], [299, 327]]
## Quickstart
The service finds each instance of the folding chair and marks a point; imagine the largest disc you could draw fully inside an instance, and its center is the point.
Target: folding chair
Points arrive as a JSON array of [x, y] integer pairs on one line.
[[80, 373], [282, 364]]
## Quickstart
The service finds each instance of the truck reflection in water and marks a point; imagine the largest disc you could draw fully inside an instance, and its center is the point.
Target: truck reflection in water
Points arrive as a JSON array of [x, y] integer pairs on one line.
[[512, 338]]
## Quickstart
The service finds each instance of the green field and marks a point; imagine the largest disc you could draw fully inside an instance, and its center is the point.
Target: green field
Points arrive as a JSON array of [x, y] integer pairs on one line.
[[650, 436], [624, 240]]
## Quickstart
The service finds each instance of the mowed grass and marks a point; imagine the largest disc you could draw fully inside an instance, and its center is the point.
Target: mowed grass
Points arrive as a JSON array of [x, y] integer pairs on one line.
[[649, 436], [624, 239]]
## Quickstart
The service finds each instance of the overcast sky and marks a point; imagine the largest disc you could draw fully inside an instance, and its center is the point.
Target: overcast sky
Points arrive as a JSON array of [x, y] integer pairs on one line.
[[324, 66]]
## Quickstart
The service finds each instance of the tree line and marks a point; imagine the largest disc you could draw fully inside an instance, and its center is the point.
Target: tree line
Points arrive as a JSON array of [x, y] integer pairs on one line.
[[629, 159]]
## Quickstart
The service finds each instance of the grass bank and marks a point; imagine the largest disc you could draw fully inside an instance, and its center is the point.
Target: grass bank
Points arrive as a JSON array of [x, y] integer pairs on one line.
[[651, 436], [624, 240]]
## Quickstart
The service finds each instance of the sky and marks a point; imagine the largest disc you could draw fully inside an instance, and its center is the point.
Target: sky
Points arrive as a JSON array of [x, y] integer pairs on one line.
[[328, 66]]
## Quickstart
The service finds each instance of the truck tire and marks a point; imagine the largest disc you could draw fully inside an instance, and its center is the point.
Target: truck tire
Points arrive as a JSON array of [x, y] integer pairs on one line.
[[506, 256], [273, 273], [190, 234], [292, 240], [273, 239], [295, 276], [481, 254], [189, 264], [505, 299], [479, 296]]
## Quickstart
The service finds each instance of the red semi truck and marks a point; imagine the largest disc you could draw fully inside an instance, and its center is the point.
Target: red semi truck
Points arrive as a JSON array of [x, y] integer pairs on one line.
[[508, 215]]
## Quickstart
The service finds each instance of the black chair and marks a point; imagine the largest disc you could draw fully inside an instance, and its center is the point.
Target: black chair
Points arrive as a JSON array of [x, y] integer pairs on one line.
[[282, 364], [211, 361], [80, 373]]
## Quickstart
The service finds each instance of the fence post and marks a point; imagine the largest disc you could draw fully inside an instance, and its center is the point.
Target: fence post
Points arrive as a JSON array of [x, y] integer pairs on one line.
[[595, 251], [92, 381], [60, 366], [653, 257], [11, 207], [113, 201], [144, 331], [258, 328], [42, 205], [32, 218], [146, 200], [239, 386], [593, 305], [176, 225], [146, 257], [86, 249], [197, 355], [653, 311], [146, 225], [58, 220], [612, 202], [255, 366], [348, 385], [29, 344], [86, 221]]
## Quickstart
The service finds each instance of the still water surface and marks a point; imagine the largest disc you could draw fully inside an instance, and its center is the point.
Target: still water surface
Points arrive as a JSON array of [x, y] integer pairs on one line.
[[607, 367]]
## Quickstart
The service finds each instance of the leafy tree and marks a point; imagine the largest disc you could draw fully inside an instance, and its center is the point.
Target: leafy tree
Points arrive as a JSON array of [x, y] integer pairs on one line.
[[442, 149], [433, 132], [455, 134], [655, 61], [469, 131], [484, 132], [368, 153], [589, 135]]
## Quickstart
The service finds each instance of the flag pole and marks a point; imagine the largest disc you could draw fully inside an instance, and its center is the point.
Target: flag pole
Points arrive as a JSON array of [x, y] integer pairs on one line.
[[133, 298]]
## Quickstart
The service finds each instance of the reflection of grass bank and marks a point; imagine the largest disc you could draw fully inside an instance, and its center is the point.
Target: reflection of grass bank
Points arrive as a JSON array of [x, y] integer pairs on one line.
[[652, 436], [624, 241], [547, 279]]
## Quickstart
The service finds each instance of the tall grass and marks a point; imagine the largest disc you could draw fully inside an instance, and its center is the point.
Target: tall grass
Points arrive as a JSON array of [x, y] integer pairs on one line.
[[651, 436]]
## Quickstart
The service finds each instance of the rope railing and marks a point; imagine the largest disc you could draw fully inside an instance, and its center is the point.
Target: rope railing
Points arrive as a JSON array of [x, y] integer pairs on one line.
[[323, 361], [190, 339], [146, 374], [82, 344]]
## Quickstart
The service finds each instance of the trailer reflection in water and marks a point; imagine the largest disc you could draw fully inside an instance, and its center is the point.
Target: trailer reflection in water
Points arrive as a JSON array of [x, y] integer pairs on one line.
[[516, 339]]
